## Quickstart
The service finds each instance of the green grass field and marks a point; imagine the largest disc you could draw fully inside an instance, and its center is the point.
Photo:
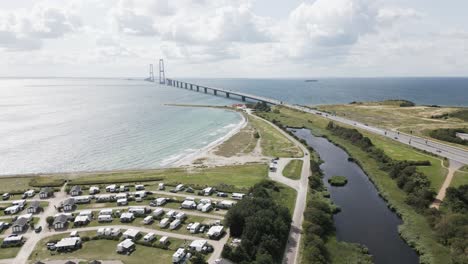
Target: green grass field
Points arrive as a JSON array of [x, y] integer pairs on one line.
[[460, 177], [285, 197], [7, 253], [293, 169], [415, 229], [105, 250], [273, 143]]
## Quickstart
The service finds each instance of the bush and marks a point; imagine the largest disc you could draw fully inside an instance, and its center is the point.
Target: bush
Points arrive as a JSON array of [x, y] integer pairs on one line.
[[449, 135]]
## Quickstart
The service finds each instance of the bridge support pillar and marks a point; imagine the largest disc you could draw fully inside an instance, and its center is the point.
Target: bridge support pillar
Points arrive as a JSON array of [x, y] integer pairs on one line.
[[227, 95], [206, 90], [191, 86], [198, 88], [215, 92], [243, 98]]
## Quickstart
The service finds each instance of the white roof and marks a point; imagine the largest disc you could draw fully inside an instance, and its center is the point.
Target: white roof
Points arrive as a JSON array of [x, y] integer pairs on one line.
[[148, 218], [160, 199], [238, 194], [163, 239], [198, 243], [27, 216], [84, 197], [180, 252], [13, 238], [86, 212], [205, 201], [106, 210], [227, 202], [149, 235], [18, 202], [123, 200], [165, 220], [131, 232], [121, 195], [127, 215], [188, 203], [112, 186], [68, 241], [126, 243], [106, 216], [12, 208], [215, 230], [94, 188], [81, 218]]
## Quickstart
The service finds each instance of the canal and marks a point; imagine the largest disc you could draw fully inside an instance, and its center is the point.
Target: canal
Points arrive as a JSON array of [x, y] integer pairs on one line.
[[364, 217]]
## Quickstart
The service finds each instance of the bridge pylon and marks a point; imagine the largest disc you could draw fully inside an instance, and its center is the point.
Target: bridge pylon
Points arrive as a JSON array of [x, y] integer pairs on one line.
[[162, 76]]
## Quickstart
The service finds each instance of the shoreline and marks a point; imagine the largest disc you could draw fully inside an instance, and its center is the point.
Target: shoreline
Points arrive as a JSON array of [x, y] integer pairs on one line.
[[188, 159]]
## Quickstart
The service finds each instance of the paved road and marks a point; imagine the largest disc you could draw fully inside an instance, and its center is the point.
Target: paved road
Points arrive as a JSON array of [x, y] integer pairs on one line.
[[291, 255]]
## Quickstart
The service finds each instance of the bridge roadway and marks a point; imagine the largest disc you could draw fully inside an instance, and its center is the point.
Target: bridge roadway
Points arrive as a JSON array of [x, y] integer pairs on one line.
[[444, 150]]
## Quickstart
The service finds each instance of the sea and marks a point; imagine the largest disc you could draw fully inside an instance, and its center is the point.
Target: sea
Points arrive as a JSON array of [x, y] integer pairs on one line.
[[50, 125]]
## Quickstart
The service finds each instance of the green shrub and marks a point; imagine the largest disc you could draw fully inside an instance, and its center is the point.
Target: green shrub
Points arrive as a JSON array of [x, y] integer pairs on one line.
[[338, 180]]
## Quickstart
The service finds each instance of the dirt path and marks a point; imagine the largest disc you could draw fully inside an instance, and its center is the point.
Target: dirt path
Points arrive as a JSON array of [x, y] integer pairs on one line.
[[453, 167]]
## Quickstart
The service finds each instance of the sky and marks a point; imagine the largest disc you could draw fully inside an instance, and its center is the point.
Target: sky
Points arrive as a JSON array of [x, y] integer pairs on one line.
[[234, 39]]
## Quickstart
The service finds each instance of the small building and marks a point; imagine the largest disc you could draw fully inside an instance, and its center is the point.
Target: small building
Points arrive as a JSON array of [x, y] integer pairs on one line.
[[181, 216], [171, 214], [174, 224], [124, 188], [161, 186], [28, 216], [237, 196], [179, 188], [137, 210], [187, 204], [111, 188], [105, 211], [140, 194], [12, 241], [125, 247], [139, 187], [148, 220], [127, 217], [103, 198], [225, 204], [12, 209], [215, 232], [206, 208], [123, 195], [20, 225], [20, 203], [74, 234], [164, 222], [122, 202], [164, 240], [87, 213], [205, 201], [82, 199], [105, 218], [195, 227], [149, 237], [30, 193], [198, 245], [157, 212], [81, 220], [179, 255], [131, 233], [75, 190], [46, 192], [60, 221], [208, 191], [68, 205], [68, 243], [161, 201], [93, 190]]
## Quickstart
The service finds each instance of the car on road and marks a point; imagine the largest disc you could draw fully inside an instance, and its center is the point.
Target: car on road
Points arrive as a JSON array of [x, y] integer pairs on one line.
[[6, 196], [38, 229]]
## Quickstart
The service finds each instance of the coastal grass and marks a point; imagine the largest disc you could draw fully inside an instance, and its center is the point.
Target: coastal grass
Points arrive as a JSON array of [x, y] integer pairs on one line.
[[293, 169], [243, 142], [418, 119], [415, 228], [103, 249], [273, 142], [9, 184]]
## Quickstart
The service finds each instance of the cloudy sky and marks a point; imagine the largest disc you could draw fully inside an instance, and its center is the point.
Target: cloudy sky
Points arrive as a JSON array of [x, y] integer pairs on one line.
[[229, 38]]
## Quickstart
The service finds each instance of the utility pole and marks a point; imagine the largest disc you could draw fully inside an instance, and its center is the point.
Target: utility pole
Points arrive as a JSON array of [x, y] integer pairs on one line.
[[162, 76]]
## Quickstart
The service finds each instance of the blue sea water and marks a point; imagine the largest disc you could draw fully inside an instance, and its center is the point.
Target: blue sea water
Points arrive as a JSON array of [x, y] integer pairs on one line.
[[63, 125], [429, 91]]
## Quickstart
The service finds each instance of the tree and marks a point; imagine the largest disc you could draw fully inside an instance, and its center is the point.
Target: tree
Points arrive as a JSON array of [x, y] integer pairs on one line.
[[50, 220], [198, 258]]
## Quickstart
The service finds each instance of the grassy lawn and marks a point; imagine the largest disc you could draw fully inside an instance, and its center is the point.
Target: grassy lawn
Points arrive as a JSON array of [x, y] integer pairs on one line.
[[460, 178], [239, 177], [415, 229], [9, 184], [346, 253], [293, 169], [7, 253], [285, 197], [416, 119], [105, 250], [273, 143], [243, 142]]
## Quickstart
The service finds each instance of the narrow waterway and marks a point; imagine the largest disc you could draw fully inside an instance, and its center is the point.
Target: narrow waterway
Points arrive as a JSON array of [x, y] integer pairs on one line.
[[364, 217]]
